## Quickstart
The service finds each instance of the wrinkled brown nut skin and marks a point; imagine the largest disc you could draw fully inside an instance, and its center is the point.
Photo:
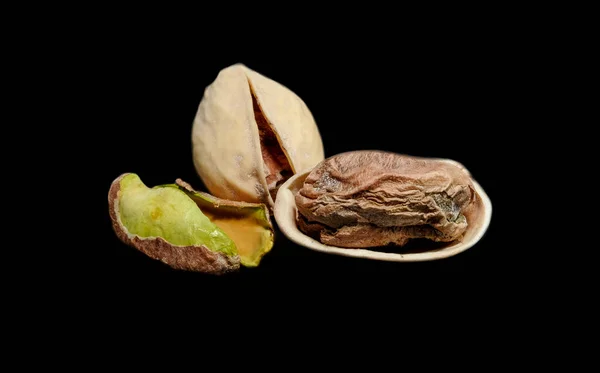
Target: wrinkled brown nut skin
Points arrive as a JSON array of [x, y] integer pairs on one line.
[[363, 199]]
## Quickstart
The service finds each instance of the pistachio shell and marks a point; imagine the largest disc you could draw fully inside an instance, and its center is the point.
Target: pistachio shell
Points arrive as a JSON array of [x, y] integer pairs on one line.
[[227, 149], [478, 218], [166, 225]]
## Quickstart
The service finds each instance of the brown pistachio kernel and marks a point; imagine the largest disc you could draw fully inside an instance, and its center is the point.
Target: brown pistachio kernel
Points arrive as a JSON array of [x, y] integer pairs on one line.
[[374, 198]]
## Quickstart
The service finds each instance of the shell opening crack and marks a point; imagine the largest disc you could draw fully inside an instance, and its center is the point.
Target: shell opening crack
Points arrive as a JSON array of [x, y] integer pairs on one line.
[[276, 165]]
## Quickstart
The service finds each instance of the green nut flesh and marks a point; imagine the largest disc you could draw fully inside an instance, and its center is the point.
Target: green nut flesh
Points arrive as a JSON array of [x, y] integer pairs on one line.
[[247, 224], [167, 225]]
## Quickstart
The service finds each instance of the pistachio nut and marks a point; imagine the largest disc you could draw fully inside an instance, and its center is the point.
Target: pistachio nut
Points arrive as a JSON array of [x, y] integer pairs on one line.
[[188, 230], [250, 134], [384, 206]]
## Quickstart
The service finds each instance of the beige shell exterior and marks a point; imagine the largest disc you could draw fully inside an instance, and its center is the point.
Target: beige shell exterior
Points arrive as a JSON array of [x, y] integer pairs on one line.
[[285, 215], [225, 138]]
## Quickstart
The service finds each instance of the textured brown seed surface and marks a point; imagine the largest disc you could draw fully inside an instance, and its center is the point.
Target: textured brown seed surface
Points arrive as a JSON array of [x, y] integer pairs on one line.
[[365, 199]]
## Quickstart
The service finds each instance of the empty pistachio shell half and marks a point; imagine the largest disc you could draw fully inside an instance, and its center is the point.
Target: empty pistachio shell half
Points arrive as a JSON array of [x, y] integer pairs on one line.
[[250, 134], [185, 229], [384, 206]]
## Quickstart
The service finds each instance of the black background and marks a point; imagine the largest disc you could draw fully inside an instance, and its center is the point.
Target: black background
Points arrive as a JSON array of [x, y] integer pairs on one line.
[[112, 90], [116, 90], [447, 95]]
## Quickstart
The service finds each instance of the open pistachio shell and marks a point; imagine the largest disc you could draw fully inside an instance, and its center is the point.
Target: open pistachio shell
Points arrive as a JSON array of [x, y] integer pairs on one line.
[[478, 218], [250, 134], [247, 224], [167, 225]]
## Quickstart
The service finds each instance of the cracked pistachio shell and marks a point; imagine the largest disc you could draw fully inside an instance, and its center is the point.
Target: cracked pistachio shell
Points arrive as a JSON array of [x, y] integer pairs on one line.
[[165, 224], [478, 218], [227, 150]]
